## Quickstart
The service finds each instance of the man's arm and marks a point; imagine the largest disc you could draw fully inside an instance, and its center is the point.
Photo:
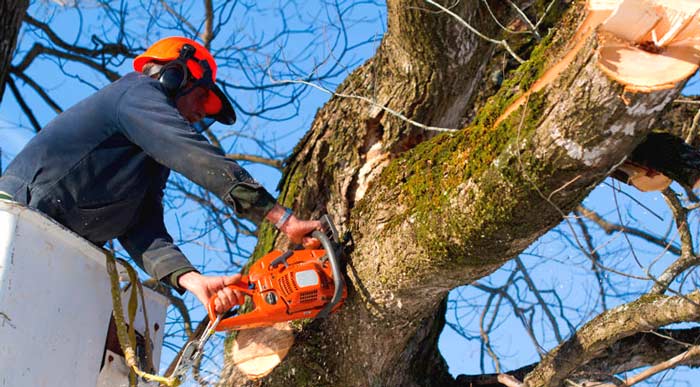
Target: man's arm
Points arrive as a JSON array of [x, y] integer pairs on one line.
[[149, 120]]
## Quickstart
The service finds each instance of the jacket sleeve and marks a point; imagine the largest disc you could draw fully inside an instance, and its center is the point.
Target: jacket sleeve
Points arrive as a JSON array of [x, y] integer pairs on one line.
[[152, 248], [148, 119]]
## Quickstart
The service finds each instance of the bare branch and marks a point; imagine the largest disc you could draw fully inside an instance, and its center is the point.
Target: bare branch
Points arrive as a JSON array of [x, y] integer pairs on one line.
[[609, 228], [688, 258], [38, 89], [692, 353], [179, 17], [208, 34], [23, 104], [625, 320], [371, 102], [540, 299]]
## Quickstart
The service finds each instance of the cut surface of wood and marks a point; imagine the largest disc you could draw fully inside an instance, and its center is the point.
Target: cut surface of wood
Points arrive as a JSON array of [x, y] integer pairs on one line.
[[256, 352], [650, 45]]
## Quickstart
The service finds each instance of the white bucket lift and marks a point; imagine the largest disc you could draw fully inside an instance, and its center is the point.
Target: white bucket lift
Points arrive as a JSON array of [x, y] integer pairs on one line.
[[55, 307]]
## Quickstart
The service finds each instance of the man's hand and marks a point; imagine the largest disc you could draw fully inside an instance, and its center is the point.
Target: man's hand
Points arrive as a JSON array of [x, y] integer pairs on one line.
[[204, 287], [297, 230]]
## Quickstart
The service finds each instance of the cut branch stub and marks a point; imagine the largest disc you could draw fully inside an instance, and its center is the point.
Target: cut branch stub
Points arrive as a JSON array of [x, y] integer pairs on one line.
[[648, 45], [256, 352]]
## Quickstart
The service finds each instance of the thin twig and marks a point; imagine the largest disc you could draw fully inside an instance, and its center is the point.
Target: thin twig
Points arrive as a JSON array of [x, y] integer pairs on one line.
[[540, 299], [526, 19], [493, 16], [365, 99], [673, 362], [609, 228], [593, 255], [546, 11]]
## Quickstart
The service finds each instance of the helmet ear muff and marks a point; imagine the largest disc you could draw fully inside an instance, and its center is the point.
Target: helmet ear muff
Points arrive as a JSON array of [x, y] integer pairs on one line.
[[173, 76]]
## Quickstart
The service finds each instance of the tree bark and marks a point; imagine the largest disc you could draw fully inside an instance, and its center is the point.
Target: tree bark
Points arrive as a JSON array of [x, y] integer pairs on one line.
[[11, 15], [428, 213]]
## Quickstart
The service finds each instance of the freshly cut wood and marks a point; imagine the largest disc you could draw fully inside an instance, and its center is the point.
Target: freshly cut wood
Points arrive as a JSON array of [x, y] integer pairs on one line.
[[677, 16], [632, 20], [649, 45], [644, 71], [256, 352]]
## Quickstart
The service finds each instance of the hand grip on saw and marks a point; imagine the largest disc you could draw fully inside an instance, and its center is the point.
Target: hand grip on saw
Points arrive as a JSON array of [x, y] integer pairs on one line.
[[242, 286]]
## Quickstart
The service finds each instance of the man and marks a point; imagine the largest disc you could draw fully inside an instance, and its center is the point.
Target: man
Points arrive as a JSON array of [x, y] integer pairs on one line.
[[100, 167]]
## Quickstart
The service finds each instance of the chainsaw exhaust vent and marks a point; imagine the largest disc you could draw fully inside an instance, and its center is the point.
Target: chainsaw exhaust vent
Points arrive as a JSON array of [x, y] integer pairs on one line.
[[288, 285], [309, 296]]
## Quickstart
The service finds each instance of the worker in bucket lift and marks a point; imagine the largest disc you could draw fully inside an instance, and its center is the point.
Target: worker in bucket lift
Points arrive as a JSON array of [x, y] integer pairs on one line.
[[100, 167]]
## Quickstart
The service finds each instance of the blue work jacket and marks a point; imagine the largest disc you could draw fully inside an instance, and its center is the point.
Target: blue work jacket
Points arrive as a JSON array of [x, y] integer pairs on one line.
[[100, 168]]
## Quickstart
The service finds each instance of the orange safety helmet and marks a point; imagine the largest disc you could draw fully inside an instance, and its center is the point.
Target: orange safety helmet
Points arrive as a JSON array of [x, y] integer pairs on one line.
[[199, 65]]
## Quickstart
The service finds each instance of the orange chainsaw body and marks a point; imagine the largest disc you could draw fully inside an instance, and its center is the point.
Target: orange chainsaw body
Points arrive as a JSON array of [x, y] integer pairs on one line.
[[286, 286]]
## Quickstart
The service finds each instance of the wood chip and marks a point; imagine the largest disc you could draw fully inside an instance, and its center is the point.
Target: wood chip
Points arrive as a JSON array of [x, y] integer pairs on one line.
[[256, 352], [632, 20]]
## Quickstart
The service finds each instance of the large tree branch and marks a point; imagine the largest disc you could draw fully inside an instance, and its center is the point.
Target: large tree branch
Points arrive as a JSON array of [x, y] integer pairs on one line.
[[649, 312], [639, 350]]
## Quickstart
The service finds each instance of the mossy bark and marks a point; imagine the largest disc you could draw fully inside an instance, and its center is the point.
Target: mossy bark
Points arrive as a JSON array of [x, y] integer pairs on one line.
[[439, 211]]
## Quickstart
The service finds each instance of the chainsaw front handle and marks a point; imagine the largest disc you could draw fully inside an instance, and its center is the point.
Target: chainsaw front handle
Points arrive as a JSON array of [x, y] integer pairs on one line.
[[241, 286], [331, 247]]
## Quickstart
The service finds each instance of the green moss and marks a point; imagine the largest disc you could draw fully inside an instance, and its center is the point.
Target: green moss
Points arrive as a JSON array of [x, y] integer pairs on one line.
[[431, 174], [267, 233]]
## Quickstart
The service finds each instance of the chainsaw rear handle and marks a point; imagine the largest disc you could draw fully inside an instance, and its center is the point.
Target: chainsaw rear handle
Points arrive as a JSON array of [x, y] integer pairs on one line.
[[241, 286], [338, 281]]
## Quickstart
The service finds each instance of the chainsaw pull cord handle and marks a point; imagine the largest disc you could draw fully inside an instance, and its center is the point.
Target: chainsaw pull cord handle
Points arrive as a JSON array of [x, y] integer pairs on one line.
[[338, 280], [241, 286]]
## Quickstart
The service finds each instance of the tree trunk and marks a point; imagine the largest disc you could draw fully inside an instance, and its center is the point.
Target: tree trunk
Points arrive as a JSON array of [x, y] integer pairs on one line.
[[431, 212], [11, 15]]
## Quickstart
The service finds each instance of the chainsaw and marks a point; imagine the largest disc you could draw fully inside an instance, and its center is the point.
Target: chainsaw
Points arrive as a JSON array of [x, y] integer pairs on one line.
[[291, 285], [283, 286]]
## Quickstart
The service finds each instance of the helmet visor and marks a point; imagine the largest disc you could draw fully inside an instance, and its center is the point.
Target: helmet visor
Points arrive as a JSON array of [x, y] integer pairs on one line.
[[218, 107]]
